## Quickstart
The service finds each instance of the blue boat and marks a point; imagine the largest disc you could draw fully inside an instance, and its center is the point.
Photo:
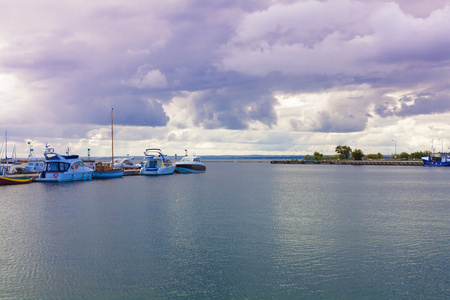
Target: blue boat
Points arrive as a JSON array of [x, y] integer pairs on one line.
[[105, 170], [436, 160]]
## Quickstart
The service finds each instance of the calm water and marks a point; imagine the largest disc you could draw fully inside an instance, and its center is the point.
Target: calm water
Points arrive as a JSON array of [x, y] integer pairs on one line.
[[239, 231]]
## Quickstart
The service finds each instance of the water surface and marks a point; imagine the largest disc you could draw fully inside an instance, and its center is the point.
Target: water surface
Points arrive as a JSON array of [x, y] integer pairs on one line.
[[238, 231]]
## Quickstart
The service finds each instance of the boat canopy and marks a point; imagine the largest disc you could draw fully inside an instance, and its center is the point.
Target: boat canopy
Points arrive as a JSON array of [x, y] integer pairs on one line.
[[56, 156]]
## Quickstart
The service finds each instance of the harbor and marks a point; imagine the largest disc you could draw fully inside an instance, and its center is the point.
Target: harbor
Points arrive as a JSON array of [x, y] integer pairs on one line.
[[238, 231], [134, 171]]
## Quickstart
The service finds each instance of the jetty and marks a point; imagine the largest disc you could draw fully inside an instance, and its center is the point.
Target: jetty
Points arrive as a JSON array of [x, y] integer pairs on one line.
[[354, 162], [383, 162]]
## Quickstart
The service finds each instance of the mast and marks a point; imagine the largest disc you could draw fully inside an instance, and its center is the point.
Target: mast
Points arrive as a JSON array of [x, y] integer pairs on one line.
[[6, 146], [112, 140], [6, 154]]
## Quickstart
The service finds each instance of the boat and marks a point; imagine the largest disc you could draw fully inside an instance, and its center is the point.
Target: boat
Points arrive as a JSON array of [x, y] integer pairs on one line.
[[107, 170], [36, 165], [190, 164], [61, 168], [156, 163], [129, 167], [436, 160], [6, 165], [6, 180], [10, 180]]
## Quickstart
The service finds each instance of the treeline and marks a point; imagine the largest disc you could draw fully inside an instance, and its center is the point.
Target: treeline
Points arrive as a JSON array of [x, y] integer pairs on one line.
[[345, 152]]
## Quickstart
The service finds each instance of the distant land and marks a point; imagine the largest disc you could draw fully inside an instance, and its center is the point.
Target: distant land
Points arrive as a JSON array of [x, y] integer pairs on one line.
[[251, 157]]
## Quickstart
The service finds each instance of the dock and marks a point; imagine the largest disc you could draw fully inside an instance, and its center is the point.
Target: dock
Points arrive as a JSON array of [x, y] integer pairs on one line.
[[131, 172], [416, 163], [383, 162]]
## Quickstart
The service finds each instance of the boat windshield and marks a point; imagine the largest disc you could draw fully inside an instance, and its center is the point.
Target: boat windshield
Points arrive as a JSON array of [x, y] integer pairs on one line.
[[56, 166], [151, 164]]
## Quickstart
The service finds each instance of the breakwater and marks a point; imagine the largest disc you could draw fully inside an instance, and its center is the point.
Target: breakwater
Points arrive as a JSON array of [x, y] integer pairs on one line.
[[355, 162]]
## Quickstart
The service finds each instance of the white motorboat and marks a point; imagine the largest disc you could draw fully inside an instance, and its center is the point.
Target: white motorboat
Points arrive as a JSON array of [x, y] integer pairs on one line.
[[156, 163], [59, 168], [36, 165], [128, 165], [190, 164]]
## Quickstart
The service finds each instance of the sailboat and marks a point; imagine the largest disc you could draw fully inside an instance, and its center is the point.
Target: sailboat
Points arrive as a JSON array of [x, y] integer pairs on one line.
[[106, 170], [9, 180]]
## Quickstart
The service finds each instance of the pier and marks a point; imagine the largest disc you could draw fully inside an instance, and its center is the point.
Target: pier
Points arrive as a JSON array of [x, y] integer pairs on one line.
[[355, 162]]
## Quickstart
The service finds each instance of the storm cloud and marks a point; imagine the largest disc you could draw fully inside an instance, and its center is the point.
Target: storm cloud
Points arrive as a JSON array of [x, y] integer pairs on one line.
[[222, 65]]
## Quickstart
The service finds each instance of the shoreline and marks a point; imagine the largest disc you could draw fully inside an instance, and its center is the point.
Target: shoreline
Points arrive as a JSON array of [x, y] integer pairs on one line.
[[284, 161], [354, 162]]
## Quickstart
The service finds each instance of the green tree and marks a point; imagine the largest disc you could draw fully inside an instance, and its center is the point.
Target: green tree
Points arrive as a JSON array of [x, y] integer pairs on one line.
[[403, 155], [419, 154], [318, 156], [375, 156], [357, 154], [343, 151]]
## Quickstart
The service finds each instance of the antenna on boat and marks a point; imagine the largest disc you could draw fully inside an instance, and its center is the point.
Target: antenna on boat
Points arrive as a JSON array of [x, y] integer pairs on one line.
[[6, 146]]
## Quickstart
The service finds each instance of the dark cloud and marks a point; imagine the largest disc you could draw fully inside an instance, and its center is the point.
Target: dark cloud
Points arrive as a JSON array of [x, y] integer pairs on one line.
[[128, 110], [231, 57], [234, 108]]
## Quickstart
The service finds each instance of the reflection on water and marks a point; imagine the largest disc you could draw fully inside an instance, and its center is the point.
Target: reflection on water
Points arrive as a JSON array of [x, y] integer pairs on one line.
[[240, 230]]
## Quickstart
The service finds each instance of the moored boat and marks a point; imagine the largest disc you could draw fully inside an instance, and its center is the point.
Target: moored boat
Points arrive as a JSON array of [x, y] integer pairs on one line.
[[36, 165], [190, 164], [12, 180], [60, 168], [104, 170], [7, 164], [4, 180], [129, 167], [156, 163], [436, 160], [107, 170]]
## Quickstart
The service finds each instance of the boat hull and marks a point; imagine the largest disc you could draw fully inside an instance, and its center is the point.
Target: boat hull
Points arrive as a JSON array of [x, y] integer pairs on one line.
[[190, 168], [14, 181], [157, 171], [107, 174], [64, 177], [431, 163]]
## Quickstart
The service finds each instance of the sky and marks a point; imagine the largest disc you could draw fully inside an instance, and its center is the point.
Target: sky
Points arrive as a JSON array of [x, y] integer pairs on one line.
[[225, 77]]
